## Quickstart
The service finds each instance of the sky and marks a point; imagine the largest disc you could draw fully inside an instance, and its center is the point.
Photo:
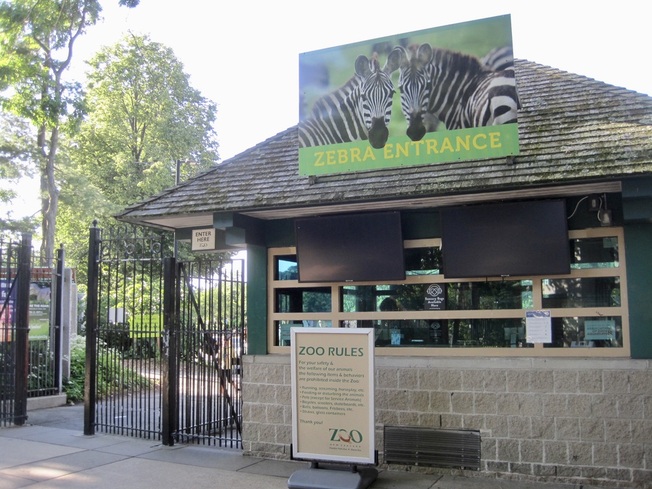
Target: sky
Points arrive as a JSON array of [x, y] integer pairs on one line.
[[243, 55]]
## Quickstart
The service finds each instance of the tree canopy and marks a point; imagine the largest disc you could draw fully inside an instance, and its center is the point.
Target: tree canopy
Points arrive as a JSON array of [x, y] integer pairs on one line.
[[36, 47], [143, 121], [17, 146], [143, 118]]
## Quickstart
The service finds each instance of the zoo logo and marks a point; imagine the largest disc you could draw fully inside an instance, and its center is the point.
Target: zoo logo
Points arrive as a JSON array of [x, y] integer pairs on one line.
[[345, 436], [434, 290]]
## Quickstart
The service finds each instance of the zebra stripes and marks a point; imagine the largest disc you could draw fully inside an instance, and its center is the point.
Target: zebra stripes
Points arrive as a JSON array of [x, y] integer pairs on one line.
[[457, 89], [360, 109], [498, 59]]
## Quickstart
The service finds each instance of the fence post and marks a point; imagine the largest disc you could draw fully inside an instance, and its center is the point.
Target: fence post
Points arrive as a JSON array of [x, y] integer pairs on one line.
[[58, 326], [22, 329], [90, 384], [169, 376]]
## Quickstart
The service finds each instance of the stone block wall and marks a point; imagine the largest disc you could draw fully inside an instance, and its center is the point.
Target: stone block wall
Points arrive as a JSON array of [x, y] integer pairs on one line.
[[582, 421]]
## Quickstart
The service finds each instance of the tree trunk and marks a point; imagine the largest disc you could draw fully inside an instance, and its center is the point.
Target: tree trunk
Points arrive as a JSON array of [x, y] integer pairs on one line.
[[49, 196]]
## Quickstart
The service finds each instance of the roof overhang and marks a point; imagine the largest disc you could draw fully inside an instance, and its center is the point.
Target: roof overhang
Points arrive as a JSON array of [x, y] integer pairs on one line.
[[202, 220]]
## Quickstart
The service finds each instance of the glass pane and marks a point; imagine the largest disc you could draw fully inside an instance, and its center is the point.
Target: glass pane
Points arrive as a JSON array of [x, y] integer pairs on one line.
[[282, 329], [422, 261], [586, 332], [505, 294], [457, 296], [316, 299], [581, 292], [451, 333], [366, 298], [286, 267], [594, 253]]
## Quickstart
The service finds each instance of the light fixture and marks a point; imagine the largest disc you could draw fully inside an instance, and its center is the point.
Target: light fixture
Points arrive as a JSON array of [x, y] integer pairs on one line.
[[604, 214], [595, 201], [605, 217]]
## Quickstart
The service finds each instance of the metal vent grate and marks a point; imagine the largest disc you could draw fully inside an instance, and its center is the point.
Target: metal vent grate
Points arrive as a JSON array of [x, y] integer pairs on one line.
[[432, 447]]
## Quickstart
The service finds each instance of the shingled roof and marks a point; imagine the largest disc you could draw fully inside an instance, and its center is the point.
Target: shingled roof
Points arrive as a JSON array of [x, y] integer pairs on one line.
[[573, 130]]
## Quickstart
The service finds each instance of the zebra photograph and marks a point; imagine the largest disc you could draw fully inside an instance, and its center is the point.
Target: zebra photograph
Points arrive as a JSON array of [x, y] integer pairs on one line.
[[501, 58], [455, 88], [423, 97], [361, 109]]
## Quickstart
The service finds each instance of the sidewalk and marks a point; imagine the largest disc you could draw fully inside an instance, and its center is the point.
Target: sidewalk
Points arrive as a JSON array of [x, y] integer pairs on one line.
[[52, 452]]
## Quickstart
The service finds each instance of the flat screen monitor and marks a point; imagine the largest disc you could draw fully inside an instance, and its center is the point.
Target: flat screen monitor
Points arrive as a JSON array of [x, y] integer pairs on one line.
[[507, 239], [350, 247]]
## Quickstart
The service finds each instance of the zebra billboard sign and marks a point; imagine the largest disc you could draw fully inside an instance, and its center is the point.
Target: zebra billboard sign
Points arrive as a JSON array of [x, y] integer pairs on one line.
[[433, 96]]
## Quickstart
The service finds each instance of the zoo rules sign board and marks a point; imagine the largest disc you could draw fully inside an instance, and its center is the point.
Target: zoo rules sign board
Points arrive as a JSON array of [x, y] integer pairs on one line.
[[333, 394]]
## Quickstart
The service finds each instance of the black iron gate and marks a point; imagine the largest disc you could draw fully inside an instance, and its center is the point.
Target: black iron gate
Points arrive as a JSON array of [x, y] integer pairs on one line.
[[164, 341], [30, 363], [15, 267]]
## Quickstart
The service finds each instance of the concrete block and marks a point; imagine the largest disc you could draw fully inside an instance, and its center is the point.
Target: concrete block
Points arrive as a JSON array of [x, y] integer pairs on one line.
[[592, 429], [555, 452], [543, 428], [567, 428], [618, 430], [462, 402], [565, 381], [518, 380], [542, 381], [580, 453], [605, 454], [531, 450], [615, 381], [507, 450], [519, 427], [429, 379], [630, 406], [45, 402], [485, 403], [450, 380], [473, 380]]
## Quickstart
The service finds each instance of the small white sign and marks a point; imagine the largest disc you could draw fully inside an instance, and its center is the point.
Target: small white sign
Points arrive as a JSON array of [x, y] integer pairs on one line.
[[203, 239], [116, 315], [538, 327]]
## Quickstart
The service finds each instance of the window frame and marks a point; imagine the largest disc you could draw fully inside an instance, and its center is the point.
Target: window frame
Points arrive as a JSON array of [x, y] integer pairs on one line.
[[337, 316]]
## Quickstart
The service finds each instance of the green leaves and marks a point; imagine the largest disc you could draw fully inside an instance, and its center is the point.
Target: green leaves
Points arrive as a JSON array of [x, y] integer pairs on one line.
[[143, 116]]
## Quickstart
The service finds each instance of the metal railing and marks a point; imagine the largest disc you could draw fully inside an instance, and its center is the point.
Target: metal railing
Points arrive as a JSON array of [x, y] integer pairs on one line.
[[163, 342], [15, 266]]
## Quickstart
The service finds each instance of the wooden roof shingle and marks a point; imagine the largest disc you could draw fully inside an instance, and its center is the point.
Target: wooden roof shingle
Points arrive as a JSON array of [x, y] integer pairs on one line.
[[572, 129]]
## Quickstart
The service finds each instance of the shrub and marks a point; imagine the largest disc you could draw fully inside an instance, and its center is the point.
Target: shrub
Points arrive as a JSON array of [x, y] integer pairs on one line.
[[112, 375]]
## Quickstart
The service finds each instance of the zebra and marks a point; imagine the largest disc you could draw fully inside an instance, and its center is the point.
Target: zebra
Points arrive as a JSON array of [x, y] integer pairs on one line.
[[499, 59], [360, 109], [454, 88]]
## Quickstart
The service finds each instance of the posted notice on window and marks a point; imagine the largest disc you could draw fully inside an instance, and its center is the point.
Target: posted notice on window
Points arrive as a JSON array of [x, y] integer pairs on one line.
[[333, 394], [538, 327]]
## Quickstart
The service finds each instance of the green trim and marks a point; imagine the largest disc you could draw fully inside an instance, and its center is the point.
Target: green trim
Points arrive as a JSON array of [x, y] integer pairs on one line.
[[638, 240], [256, 300]]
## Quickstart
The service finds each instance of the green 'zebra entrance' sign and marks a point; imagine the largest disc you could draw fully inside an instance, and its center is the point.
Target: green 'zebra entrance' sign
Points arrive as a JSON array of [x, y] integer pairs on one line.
[[434, 96]]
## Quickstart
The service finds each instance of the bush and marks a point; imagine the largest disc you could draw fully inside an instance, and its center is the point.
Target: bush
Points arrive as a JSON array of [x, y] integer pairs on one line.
[[112, 376]]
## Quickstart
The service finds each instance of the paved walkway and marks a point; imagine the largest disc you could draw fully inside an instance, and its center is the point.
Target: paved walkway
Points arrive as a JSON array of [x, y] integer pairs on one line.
[[52, 452]]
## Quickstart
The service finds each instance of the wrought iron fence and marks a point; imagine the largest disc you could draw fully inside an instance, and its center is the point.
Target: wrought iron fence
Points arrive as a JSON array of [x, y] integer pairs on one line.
[[42, 376], [123, 332], [211, 344], [163, 341], [14, 329]]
